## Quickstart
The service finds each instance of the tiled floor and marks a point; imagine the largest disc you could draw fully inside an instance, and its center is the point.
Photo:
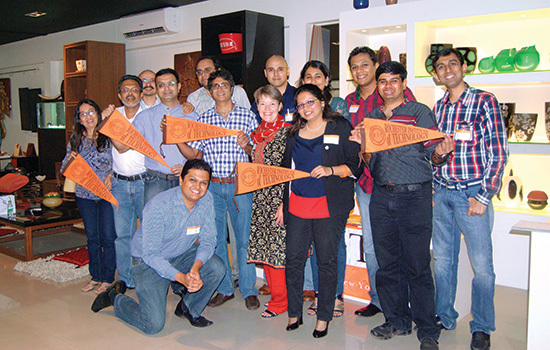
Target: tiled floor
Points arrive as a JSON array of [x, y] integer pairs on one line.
[[37, 314]]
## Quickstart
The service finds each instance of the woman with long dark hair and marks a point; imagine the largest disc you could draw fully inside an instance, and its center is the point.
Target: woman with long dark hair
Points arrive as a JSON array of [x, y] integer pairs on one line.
[[317, 208], [96, 213]]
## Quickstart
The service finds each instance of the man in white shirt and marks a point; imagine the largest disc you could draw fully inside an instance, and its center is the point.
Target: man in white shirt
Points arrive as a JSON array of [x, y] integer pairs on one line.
[[201, 99]]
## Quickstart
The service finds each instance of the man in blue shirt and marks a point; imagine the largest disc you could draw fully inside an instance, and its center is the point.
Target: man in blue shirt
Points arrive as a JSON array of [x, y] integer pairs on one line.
[[164, 249]]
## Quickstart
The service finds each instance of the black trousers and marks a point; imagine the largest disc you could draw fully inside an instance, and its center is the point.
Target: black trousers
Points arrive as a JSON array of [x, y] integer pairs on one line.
[[401, 231], [326, 233]]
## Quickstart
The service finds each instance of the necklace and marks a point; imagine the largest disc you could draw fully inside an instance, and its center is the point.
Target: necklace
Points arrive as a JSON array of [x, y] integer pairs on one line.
[[317, 128]]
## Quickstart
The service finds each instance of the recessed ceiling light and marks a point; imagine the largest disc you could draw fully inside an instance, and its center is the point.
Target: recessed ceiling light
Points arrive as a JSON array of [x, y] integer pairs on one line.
[[364, 31], [522, 16], [35, 14], [469, 21], [386, 30], [398, 27]]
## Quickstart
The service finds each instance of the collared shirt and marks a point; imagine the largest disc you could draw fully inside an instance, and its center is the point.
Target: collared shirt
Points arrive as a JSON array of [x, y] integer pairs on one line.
[[202, 101], [144, 105], [485, 154], [169, 229], [407, 164], [130, 162], [148, 124], [288, 105], [359, 108], [223, 152]]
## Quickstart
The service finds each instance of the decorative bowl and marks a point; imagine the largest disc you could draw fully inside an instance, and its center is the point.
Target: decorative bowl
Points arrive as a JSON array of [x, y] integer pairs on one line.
[[52, 202]]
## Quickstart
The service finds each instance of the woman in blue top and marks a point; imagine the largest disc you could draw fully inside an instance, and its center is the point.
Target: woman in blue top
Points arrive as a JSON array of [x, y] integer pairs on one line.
[[96, 213], [317, 208]]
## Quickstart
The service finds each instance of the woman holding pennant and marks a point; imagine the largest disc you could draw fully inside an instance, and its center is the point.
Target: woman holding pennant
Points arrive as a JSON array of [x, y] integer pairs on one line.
[[267, 234], [97, 213], [317, 208]]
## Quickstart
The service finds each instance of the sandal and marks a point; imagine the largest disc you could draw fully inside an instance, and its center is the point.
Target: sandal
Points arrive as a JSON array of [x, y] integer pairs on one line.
[[269, 314], [338, 308], [90, 286], [312, 310], [102, 288]]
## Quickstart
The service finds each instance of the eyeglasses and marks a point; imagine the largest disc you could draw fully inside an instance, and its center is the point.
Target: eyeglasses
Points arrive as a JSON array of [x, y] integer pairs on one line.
[[91, 112], [126, 90], [206, 70], [308, 103], [170, 83], [145, 81], [220, 86]]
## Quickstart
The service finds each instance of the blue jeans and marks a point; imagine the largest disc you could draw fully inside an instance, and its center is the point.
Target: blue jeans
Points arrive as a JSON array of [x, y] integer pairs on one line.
[[308, 276], [240, 220], [155, 185], [129, 195], [150, 314], [363, 199], [342, 255], [99, 224], [449, 222]]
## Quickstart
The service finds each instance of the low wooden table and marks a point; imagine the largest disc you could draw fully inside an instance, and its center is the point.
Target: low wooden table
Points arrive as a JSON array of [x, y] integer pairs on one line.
[[52, 221]]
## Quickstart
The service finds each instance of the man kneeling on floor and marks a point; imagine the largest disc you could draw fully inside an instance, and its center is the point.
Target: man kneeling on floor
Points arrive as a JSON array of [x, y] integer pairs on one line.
[[164, 249]]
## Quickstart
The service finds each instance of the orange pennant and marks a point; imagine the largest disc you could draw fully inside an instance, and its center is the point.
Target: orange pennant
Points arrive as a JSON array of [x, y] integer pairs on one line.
[[118, 128], [380, 135], [178, 130], [80, 172], [252, 176]]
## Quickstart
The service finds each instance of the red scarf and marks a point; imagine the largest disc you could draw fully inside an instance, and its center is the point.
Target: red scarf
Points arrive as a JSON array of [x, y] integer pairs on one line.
[[266, 130]]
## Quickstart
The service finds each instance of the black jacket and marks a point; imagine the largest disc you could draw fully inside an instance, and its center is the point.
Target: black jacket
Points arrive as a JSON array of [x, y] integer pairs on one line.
[[339, 190]]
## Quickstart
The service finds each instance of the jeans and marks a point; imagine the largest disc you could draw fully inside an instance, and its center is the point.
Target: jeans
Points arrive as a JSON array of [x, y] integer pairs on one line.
[[325, 233], [149, 314], [308, 276], [342, 255], [240, 220], [449, 222], [401, 233], [129, 195], [363, 199], [99, 224], [155, 185]]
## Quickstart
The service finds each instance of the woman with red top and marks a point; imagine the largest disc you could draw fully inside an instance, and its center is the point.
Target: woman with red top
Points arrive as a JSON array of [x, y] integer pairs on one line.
[[317, 208], [267, 234]]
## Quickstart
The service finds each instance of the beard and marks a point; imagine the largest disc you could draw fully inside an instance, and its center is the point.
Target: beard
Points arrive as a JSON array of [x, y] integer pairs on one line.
[[130, 105]]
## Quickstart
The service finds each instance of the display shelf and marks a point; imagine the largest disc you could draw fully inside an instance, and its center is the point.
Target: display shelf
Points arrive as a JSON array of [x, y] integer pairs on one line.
[[523, 208]]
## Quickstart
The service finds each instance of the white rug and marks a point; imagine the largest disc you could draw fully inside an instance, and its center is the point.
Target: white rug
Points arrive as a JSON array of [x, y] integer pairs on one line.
[[53, 270]]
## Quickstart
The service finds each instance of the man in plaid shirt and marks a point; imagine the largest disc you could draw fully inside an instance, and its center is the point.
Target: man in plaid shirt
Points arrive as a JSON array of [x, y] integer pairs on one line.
[[222, 153], [464, 186]]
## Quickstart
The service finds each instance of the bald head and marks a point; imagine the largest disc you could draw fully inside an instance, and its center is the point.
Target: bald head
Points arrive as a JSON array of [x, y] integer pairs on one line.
[[276, 71], [148, 79]]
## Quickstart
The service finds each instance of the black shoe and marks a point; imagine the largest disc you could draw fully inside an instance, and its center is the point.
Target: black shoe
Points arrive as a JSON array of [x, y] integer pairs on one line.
[[183, 312], [386, 331], [439, 323], [219, 299], [320, 334], [252, 302], [107, 298], [295, 325], [480, 341], [429, 344], [368, 311]]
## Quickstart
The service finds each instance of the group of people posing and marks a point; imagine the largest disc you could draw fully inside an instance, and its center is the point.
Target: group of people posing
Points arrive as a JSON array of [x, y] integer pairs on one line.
[[408, 196]]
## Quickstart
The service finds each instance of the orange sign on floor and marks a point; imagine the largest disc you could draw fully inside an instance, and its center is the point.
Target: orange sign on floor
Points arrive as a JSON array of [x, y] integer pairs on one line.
[[79, 171], [178, 130], [118, 128], [252, 176], [380, 135]]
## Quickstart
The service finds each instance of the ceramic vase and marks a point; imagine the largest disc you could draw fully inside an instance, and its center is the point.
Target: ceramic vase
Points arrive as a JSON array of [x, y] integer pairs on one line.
[[384, 55], [435, 48], [470, 58], [547, 119], [524, 126], [504, 62], [527, 58], [52, 202], [428, 64], [507, 110], [360, 4], [486, 65]]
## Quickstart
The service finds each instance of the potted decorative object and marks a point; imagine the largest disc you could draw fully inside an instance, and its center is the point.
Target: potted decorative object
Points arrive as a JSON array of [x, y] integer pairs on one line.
[[486, 65], [537, 200], [504, 61], [508, 110], [524, 126], [527, 58], [52, 200], [470, 57]]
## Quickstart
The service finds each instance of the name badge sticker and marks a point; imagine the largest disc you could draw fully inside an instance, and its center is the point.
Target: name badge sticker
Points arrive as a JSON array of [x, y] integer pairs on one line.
[[463, 132], [353, 108], [193, 230], [331, 139]]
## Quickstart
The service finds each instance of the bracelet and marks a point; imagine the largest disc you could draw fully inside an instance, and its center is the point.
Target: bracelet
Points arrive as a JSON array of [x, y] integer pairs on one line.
[[332, 171]]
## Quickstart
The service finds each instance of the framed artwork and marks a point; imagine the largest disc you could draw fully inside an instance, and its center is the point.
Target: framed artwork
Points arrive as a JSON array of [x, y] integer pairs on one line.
[[184, 64], [5, 97]]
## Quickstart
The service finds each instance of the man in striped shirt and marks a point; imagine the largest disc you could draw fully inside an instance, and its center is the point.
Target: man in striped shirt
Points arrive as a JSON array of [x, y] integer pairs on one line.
[[464, 186]]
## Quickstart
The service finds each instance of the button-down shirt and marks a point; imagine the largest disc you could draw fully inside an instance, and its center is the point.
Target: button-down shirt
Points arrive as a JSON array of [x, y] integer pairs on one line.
[[482, 157], [148, 124], [223, 152], [359, 108], [202, 101], [288, 105], [169, 229], [407, 164]]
